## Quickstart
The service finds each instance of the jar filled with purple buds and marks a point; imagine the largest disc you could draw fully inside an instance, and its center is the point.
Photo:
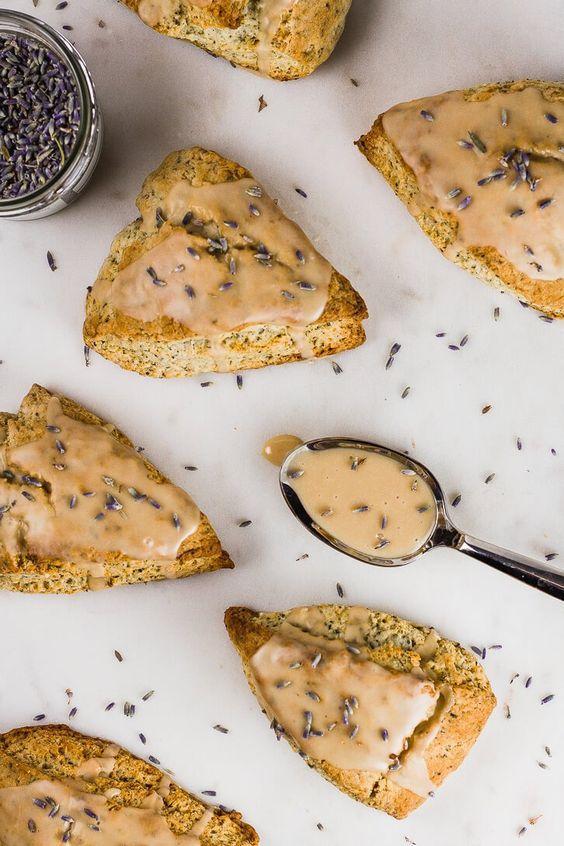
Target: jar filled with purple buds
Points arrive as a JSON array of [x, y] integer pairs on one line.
[[50, 121]]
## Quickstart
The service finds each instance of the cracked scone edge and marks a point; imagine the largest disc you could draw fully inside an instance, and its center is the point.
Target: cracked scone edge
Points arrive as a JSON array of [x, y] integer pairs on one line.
[[200, 552], [486, 263], [166, 348], [395, 641], [306, 36], [56, 752]]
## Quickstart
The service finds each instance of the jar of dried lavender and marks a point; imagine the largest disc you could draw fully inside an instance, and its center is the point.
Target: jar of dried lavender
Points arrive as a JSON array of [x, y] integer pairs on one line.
[[50, 121]]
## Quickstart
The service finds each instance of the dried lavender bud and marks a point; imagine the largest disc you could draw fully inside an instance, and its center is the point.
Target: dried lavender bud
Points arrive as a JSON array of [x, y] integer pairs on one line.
[[39, 117]]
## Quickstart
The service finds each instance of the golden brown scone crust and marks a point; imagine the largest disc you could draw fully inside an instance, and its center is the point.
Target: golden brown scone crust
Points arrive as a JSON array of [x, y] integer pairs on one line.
[[55, 752], [199, 553], [306, 37], [166, 348], [484, 262], [392, 643]]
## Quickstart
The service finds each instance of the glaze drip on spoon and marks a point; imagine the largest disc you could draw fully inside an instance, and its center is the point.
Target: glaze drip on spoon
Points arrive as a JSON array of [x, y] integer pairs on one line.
[[276, 449]]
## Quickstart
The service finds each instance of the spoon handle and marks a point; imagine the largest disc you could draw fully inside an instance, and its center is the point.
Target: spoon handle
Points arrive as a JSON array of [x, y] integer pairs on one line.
[[519, 566]]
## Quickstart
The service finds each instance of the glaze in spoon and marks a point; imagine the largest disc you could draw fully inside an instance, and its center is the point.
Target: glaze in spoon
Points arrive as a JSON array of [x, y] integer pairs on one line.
[[383, 508]]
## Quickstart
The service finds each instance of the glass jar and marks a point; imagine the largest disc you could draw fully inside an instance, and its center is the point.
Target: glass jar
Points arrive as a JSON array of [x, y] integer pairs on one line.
[[73, 177]]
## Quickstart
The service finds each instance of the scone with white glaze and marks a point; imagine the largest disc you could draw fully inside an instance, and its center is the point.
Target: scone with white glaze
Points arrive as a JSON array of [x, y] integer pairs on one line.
[[383, 708], [81, 509], [283, 39], [214, 277], [482, 172], [58, 786]]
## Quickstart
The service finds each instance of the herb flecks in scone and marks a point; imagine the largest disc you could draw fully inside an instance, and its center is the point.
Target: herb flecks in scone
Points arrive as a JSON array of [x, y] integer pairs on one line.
[[58, 786], [482, 172], [81, 509], [214, 277], [283, 39], [382, 708]]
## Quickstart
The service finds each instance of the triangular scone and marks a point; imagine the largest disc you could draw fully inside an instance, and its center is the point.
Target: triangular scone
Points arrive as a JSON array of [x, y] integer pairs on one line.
[[284, 39], [214, 277], [81, 509], [384, 709], [482, 172], [54, 781]]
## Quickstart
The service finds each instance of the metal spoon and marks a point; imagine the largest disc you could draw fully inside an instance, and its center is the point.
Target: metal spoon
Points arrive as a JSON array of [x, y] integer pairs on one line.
[[444, 532]]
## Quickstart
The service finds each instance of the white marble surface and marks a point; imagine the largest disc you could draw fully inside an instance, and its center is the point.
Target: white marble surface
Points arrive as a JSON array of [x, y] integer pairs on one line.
[[159, 95]]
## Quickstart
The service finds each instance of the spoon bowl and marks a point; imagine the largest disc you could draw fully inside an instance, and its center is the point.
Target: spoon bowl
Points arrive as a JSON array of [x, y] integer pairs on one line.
[[441, 522], [442, 532]]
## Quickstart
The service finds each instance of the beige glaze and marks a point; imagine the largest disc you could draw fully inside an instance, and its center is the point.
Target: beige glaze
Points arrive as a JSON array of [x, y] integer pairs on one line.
[[264, 271], [152, 12], [93, 767], [413, 772], [429, 646], [94, 494], [533, 241], [366, 500], [270, 18], [270, 14], [277, 449], [368, 716], [100, 827]]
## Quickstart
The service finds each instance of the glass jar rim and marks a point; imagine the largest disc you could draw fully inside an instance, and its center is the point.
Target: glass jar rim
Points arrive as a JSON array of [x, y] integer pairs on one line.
[[28, 26]]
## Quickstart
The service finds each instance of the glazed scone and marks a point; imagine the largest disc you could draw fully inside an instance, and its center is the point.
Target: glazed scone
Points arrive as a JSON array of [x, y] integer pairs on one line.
[[213, 277], [384, 709], [58, 786], [81, 509], [482, 172], [284, 39]]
